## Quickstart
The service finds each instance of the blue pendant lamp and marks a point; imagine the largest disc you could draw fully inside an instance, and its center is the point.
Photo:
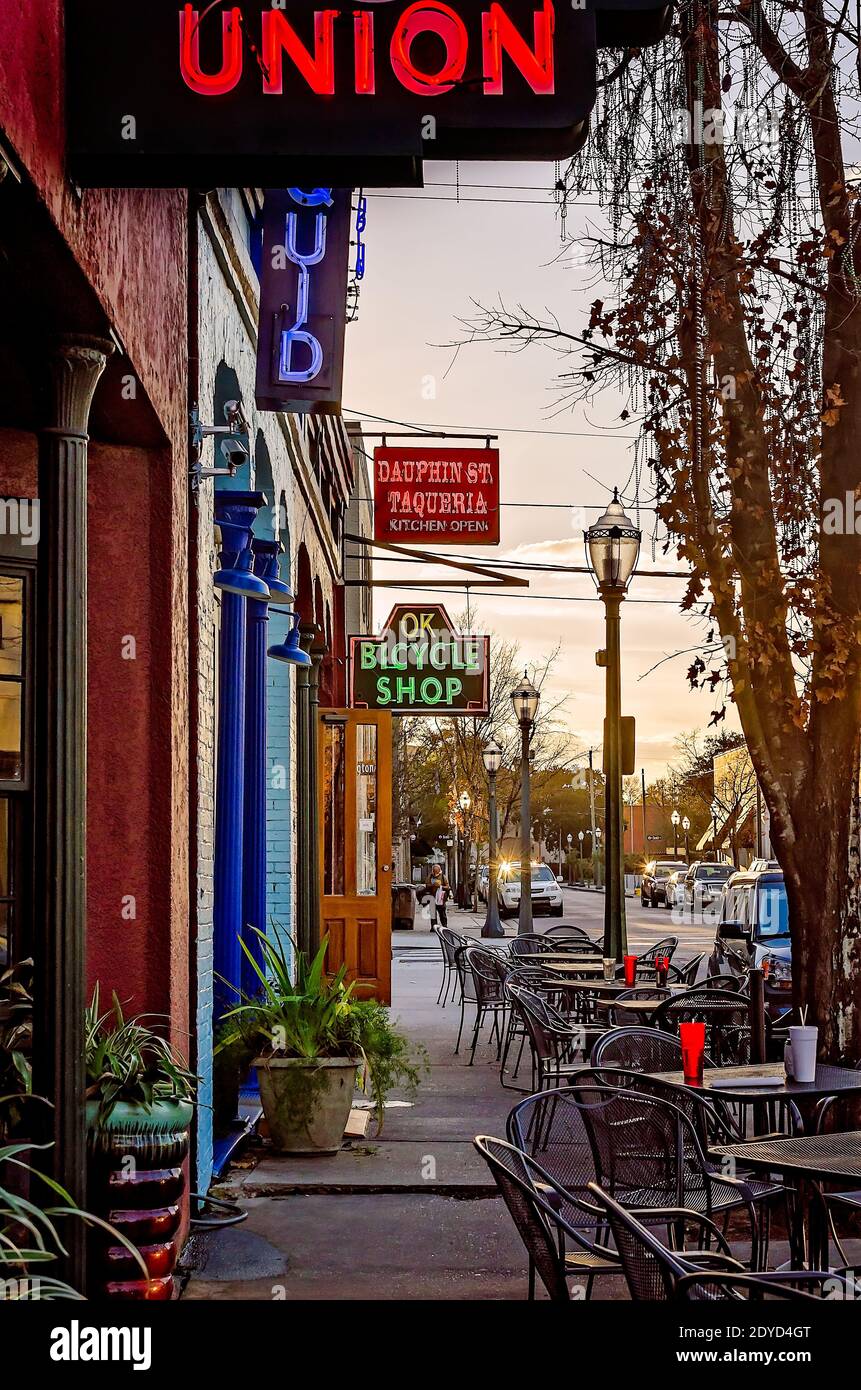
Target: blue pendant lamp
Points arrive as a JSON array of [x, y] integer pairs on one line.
[[268, 552], [290, 650], [237, 573]]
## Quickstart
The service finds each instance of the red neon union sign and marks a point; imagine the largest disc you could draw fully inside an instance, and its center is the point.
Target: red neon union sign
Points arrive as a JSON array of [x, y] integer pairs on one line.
[[499, 36]]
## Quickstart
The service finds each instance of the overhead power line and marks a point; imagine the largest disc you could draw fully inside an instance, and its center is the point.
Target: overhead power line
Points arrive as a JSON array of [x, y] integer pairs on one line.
[[497, 429]]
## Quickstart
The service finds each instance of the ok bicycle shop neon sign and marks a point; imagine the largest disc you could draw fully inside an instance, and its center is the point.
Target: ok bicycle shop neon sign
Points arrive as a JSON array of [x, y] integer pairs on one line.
[[420, 665], [171, 93]]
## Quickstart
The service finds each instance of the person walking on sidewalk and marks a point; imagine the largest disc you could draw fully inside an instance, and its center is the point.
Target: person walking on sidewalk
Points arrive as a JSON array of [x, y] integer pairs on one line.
[[432, 883], [443, 893]]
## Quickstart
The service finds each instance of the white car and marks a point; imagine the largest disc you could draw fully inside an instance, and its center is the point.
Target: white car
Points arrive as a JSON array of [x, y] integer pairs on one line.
[[546, 890]]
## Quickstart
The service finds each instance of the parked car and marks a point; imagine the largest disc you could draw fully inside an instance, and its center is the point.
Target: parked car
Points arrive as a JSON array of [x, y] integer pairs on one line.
[[753, 932], [704, 883], [483, 880], [654, 889], [546, 890]]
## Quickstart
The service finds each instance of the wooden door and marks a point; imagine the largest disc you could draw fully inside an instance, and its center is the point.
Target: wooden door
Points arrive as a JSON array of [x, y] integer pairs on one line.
[[355, 817]]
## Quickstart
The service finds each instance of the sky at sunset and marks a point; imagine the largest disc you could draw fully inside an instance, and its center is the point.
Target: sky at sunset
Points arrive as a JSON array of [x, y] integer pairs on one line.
[[427, 260]]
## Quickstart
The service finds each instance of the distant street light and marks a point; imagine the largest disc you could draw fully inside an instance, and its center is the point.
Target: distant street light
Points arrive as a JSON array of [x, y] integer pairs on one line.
[[492, 756], [570, 864], [464, 801], [676, 820], [525, 699], [612, 548], [686, 825], [715, 810]]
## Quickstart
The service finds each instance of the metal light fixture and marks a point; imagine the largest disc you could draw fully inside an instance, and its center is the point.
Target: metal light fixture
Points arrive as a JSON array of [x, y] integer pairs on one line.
[[238, 577], [612, 549], [492, 757], [280, 594], [613, 546], [290, 650], [525, 699]]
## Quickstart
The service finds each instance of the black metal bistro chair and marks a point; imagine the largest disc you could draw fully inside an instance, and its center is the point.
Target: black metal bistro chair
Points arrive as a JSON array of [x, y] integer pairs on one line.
[[555, 1250], [649, 1156], [639, 1049], [646, 968], [656, 1273], [555, 1044], [725, 1015], [449, 942], [482, 986]]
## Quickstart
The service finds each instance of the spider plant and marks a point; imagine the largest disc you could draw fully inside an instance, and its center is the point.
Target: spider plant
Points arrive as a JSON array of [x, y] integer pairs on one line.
[[128, 1061], [310, 1014], [16, 1043]]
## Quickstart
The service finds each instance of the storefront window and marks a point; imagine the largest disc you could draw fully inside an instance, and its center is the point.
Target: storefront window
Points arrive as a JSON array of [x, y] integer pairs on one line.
[[333, 801], [366, 810], [11, 678]]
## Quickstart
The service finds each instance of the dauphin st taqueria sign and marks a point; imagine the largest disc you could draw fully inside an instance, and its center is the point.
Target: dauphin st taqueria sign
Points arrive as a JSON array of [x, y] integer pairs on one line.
[[161, 93], [419, 664]]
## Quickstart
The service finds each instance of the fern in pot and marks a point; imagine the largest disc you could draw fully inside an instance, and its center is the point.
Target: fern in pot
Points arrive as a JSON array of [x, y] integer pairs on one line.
[[311, 1042]]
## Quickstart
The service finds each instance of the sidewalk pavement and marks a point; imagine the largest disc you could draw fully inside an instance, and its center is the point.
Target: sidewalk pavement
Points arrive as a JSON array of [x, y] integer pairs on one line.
[[412, 1213]]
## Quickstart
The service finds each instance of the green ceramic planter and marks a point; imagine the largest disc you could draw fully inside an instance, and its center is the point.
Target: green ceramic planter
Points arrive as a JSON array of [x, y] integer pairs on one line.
[[136, 1182]]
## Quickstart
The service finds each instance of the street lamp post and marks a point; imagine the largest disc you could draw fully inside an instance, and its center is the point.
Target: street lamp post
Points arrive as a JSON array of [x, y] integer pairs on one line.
[[492, 756], [464, 801], [525, 699], [581, 836], [570, 862], [686, 825], [612, 548], [715, 810], [676, 820]]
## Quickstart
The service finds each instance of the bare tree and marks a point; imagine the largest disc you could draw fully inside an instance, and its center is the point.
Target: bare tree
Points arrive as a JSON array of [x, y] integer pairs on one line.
[[732, 326]]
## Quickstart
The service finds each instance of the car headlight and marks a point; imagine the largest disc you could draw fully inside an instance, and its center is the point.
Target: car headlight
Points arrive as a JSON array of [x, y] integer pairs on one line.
[[776, 968]]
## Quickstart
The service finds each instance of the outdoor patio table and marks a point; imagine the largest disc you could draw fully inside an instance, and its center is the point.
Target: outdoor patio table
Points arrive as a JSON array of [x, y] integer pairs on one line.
[[805, 1160], [829, 1081]]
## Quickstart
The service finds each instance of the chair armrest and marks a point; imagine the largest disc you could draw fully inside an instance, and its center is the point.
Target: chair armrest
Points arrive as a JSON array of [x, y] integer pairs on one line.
[[685, 1214]]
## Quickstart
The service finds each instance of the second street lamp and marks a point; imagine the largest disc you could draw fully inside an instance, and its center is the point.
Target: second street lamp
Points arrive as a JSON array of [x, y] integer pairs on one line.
[[686, 825], [676, 820], [492, 756], [464, 801], [525, 699], [612, 548]]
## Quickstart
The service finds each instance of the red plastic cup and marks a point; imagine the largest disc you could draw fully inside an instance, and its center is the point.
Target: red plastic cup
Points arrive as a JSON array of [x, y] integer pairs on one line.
[[692, 1037], [630, 964]]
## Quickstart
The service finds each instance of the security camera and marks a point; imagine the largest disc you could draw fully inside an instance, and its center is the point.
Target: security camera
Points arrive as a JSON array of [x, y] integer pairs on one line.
[[235, 453], [235, 418]]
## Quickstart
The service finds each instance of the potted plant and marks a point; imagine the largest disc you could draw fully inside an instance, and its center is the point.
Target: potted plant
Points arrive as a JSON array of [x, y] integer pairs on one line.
[[308, 1037], [139, 1107], [16, 1046]]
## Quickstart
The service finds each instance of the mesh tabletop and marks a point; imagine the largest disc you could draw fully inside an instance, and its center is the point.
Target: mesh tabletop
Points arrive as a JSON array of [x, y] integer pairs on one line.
[[829, 1081], [818, 1155]]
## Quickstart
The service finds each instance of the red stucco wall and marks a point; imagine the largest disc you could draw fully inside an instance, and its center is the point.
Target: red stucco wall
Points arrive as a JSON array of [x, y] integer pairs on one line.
[[130, 243], [132, 247]]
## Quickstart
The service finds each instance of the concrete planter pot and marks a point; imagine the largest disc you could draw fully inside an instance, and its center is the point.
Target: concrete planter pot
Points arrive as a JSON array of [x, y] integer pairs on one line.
[[306, 1101]]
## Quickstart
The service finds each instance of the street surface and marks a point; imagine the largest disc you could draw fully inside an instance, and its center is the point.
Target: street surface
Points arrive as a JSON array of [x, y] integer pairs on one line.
[[585, 908]]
